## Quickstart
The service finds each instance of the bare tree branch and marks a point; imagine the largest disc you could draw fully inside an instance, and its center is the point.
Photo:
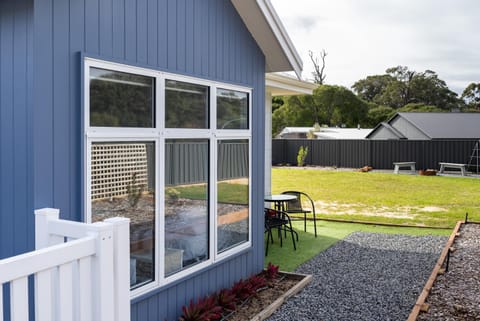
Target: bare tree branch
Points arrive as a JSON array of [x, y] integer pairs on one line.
[[319, 71]]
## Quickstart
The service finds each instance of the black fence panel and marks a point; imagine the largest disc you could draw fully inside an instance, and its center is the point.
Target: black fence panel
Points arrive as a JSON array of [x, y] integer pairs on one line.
[[380, 154]]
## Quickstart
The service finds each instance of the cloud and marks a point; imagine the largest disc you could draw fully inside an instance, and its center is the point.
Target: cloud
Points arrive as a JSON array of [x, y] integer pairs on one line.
[[366, 37]]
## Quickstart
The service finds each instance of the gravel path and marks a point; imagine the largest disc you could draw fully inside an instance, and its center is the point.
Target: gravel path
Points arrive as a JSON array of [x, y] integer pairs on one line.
[[366, 276], [456, 294]]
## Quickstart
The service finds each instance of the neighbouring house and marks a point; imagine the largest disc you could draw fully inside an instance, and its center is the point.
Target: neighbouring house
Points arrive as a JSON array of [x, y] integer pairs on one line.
[[149, 109], [324, 133], [428, 126]]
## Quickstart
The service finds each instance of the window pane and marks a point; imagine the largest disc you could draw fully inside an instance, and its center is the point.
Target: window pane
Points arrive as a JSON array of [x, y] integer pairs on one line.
[[119, 99], [123, 184], [232, 109], [186, 105], [186, 203], [233, 193]]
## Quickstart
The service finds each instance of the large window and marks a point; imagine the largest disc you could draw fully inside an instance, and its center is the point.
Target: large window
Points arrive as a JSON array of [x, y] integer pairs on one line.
[[164, 153]]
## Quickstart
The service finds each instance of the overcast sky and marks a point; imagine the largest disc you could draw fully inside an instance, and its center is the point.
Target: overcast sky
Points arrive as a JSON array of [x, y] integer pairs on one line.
[[365, 37]]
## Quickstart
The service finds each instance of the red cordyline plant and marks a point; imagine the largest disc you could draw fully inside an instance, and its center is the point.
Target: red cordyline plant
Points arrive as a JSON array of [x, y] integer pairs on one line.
[[212, 308], [226, 300], [205, 309], [271, 272]]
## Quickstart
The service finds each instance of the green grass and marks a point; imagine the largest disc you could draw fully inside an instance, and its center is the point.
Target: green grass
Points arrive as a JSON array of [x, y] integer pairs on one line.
[[227, 192], [386, 198], [328, 234]]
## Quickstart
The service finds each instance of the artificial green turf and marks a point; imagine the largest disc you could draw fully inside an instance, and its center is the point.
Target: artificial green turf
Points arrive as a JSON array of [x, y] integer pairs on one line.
[[328, 234], [356, 193]]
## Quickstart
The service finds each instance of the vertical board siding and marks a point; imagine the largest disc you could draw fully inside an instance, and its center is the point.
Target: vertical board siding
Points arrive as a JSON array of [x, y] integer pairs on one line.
[[16, 56], [200, 38], [381, 154]]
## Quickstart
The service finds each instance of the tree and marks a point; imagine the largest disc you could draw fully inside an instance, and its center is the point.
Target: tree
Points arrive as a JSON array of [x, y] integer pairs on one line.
[[372, 87], [379, 114], [401, 86], [319, 71], [471, 96], [330, 105], [420, 108]]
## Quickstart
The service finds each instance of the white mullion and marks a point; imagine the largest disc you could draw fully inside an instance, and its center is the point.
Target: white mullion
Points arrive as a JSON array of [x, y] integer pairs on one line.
[[160, 209], [213, 239], [88, 183]]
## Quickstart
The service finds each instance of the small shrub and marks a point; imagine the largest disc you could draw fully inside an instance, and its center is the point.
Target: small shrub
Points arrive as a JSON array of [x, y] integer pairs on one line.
[[271, 272], [134, 191], [171, 194], [302, 155], [226, 300], [205, 309]]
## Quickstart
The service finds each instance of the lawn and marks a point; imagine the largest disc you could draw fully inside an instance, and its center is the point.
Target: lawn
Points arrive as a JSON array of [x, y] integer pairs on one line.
[[436, 201]]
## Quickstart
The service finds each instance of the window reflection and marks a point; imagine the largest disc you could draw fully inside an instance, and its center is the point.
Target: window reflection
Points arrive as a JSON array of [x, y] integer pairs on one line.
[[186, 203], [123, 184], [232, 109], [119, 99], [186, 105], [232, 193]]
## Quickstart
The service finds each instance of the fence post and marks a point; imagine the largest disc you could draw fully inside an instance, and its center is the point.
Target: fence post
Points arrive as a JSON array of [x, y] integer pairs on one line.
[[42, 216], [103, 291], [121, 249]]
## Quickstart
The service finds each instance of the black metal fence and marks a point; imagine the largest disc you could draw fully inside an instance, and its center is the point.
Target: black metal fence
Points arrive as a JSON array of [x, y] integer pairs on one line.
[[379, 154]]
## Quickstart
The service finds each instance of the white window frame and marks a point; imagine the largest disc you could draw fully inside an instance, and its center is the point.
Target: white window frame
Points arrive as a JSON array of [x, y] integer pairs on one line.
[[159, 134]]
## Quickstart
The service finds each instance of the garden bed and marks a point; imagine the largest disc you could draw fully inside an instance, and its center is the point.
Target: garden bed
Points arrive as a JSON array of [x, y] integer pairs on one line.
[[267, 301], [453, 293]]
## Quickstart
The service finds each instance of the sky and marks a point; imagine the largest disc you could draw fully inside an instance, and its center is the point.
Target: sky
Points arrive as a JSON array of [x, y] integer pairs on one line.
[[365, 37]]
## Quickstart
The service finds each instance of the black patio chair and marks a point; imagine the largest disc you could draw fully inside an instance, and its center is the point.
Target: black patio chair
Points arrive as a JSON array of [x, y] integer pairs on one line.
[[279, 220], [296, 206]]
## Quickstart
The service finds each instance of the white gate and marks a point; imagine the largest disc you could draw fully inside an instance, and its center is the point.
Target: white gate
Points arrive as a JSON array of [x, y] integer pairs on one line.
[[81, 271]]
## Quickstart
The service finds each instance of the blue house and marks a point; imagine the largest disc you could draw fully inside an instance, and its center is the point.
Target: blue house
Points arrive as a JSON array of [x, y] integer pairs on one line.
[[150, 109]]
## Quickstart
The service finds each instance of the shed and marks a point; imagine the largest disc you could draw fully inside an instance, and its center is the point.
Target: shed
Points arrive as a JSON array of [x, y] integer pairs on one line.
[[429, 126], [121, 108]]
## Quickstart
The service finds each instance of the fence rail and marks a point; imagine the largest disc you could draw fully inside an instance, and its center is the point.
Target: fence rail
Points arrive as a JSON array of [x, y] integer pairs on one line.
[[80, 272], [377, 153]]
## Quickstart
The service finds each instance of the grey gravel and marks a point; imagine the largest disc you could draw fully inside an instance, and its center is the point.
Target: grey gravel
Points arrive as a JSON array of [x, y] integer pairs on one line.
[[456, 294], [366, 276]]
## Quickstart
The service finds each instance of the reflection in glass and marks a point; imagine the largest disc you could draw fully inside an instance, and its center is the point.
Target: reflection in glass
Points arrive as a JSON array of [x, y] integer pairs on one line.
[[186, 105], [122, 184], [233, 194], [232, 109], [186, 203], [119, 99]]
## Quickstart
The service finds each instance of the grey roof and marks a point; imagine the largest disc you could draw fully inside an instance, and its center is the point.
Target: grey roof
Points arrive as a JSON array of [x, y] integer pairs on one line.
[[445, 125], [387, 126]]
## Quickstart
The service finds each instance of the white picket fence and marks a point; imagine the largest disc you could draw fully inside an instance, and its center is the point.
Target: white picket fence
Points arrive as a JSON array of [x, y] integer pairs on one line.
[[81, 271]]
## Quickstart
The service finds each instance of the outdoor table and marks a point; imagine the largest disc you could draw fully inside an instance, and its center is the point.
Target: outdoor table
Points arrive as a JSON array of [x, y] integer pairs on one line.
[[279, 200]]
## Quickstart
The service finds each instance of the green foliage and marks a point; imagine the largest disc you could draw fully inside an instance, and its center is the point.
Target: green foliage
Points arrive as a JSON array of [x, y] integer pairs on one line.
[[331, 105], [379, 114], [420, 108], [302, 155], [471, 96], [172, 194], [134, 191], [401, 86]]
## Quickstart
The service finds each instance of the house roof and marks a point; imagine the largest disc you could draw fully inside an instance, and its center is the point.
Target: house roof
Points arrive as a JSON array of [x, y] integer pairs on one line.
[[266, 28], [445, 125], [329, 132], [387, 127], [285, 85]]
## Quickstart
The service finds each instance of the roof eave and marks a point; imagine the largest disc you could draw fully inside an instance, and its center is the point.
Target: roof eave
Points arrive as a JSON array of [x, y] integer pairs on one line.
[[268, 31], [282, 85]]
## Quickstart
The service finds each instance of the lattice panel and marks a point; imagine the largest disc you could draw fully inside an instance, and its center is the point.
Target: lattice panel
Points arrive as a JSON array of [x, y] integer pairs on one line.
[[113, 167]]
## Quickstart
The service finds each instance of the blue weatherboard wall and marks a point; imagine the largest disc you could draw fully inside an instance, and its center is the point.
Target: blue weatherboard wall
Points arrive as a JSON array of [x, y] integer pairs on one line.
[[41, 44], [16, 189]]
